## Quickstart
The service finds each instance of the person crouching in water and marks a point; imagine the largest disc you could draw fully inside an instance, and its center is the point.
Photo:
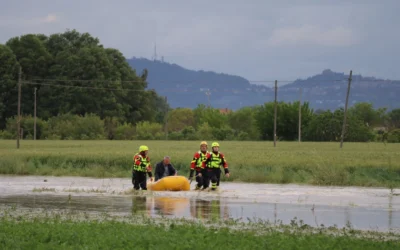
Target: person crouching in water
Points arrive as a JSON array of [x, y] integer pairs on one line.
[[197, 165], [141, 166], [212, 164]]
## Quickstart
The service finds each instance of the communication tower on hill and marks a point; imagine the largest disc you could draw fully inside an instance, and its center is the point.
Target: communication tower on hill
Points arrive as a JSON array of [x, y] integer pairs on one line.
[[208, 93], [155, 52]]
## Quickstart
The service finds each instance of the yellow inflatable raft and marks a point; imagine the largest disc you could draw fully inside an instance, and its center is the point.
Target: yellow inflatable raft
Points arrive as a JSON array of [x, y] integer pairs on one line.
[[170, 183]]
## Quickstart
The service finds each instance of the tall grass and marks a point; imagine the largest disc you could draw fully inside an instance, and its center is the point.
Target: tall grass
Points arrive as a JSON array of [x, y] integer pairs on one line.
[[360, 164]]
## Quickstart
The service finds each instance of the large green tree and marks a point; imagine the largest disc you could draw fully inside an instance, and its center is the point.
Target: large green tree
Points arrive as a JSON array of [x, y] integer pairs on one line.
[[8, 85], [244, 121], [394, 118], [328, 125], [75, 74], [34, 60], [212, 116], [180, 118], [287, 121], [368, 115]]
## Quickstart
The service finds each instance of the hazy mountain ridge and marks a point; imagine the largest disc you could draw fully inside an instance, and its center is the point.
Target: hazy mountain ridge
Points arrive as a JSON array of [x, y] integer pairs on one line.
[[328, 90], [188, 88]]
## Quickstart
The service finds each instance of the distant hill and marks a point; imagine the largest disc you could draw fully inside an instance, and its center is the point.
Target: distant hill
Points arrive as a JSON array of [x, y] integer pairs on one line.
[[188, 88], [328, 91]]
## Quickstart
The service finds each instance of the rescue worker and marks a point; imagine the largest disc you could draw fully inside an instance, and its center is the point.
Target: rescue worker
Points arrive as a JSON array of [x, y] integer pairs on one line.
[[197, 165], [212, 164], [141, 166]]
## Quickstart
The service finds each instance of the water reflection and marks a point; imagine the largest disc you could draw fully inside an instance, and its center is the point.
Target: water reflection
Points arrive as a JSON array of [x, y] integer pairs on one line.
[[180, 207], [217, 209], [208, 209], [384, 218], [390, 211], [170, 206], [139, 205]]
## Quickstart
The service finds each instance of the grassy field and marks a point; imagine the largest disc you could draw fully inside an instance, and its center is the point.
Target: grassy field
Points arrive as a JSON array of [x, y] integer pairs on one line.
[[358, 164], [63, 232]]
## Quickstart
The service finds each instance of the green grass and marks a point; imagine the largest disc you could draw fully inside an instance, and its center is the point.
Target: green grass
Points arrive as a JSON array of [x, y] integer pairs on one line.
[[65, 232], [357, 164]]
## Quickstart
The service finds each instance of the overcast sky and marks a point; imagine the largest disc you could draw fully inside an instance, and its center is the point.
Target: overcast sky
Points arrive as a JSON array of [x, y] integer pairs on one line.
[[259, 40]]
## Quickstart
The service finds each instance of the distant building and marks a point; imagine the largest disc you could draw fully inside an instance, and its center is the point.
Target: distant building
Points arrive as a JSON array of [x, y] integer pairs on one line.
[[225, 111]]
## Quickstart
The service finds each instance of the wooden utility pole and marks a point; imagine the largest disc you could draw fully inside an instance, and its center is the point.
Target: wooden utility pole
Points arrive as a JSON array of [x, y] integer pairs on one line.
[[300, 117], [166, 118], [19, 106], [34, 114], [345, 110], [275, 112], [208, 93]]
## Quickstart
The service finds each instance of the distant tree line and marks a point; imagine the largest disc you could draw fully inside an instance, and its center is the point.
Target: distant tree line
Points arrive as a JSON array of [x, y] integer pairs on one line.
[[203, 123], [86, 91]]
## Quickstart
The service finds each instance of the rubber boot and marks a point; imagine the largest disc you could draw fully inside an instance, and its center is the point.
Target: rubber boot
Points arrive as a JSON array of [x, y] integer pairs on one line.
[[213, 186]]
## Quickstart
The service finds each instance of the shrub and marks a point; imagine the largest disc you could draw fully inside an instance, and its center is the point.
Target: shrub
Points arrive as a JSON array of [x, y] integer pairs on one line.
[[394, 136], [27, 124], [125, 132]]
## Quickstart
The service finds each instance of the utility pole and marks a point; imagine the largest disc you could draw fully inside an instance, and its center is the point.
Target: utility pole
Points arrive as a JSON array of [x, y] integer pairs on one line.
[[19, 107], [300, 116], [345, 110], [155, 52], [275, 112], [166, 118], [34, 114], [208, 93]]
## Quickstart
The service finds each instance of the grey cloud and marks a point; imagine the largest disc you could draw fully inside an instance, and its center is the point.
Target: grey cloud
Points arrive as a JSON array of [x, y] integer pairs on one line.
[[258, 40]]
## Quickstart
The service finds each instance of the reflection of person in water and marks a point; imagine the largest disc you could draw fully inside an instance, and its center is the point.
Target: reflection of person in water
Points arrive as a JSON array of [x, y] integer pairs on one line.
[[208, 210], [139, 205]]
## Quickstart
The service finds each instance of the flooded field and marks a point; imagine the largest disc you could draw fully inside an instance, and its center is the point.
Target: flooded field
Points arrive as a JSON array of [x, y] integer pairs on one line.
[[362, 208]]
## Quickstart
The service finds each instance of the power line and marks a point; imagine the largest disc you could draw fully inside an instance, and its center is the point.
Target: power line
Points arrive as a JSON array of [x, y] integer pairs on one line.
[[80, 80], [297, 80], [269, 81], [182, 81], [39, 81], [134, 90], [317, 80], [81, 87], [183, 89]]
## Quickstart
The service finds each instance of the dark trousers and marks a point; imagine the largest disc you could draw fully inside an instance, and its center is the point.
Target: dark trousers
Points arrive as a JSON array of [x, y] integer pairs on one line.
[[139, 180], [218, 176], [212, 175], [201, 180]]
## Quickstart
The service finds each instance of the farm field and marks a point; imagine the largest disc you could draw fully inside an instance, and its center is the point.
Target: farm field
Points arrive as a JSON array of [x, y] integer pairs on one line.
[[47, 212], [57, 233], [357, 164]]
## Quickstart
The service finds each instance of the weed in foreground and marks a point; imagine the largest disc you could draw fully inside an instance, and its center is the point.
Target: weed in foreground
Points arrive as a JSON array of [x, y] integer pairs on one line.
[[70, 229]]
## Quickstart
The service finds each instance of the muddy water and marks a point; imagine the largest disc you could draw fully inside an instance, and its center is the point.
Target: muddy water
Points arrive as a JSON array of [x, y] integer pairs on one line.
[[362, 208]]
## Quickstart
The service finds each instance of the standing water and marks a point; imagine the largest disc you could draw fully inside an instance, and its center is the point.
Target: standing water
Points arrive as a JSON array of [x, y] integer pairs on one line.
[[362, 208]]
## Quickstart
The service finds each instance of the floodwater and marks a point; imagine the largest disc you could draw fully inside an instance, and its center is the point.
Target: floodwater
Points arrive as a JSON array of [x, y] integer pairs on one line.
[[362, 208]]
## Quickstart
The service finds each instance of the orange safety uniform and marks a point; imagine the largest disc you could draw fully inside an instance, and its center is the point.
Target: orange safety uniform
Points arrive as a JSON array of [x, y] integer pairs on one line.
[[212, 165]]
